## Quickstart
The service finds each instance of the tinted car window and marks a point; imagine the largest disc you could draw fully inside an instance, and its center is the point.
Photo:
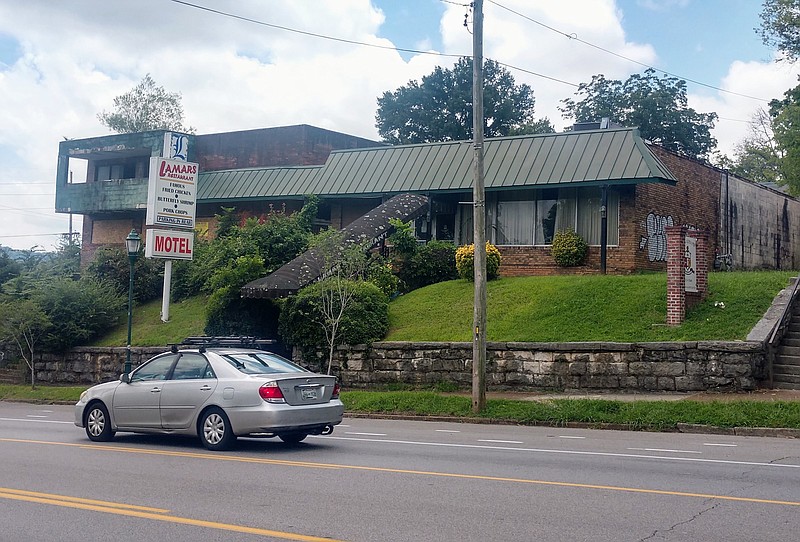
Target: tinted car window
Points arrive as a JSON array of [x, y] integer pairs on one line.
[[262, 363], [191, 366], [155, 369]]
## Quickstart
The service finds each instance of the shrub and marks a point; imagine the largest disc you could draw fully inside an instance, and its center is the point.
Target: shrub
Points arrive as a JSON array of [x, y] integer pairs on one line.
[[111, 264], [302, 323], [433, 262], [78, 311], [465, 261], [569, 249]]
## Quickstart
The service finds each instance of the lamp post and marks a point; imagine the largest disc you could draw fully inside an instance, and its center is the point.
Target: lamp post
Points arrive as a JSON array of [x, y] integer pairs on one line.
[[133, 243]]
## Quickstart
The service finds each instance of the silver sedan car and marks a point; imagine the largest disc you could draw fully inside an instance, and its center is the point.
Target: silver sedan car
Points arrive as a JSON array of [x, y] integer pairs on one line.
[[217, 394]]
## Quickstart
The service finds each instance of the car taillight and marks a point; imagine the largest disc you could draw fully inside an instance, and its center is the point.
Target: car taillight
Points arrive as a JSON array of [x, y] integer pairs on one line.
[[335, 394], [271, 393]]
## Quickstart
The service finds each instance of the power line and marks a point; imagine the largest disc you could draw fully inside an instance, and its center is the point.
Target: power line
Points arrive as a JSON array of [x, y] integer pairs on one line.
[[32, 235], [575, 37], [313, 34], [355, 42]]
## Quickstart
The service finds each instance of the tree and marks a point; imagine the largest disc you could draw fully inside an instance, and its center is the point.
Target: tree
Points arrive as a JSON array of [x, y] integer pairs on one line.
[[146, 107], [758, 157], [657, 106], [24, 324], [440, 107], [785, 116], [780, 21]]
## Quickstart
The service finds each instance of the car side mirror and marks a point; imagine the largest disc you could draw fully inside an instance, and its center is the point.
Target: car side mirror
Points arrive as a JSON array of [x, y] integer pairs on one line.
[[125, 377]]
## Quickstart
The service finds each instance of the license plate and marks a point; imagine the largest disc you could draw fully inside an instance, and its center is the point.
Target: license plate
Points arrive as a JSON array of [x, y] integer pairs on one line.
[[308, 394]]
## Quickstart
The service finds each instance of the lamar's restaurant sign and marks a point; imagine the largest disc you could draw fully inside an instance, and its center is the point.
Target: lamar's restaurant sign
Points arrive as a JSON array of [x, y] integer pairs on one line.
[[171, 194]]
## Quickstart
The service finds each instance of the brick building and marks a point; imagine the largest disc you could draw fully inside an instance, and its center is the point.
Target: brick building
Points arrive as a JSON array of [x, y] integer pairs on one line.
[[535, 185]]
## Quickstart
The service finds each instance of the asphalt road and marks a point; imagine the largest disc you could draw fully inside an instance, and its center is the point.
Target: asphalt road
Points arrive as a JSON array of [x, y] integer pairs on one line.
[[381, 480]]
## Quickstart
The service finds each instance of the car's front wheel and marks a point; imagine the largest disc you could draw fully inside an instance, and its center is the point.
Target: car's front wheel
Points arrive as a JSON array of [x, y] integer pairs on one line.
[[215, 430], [98, 424], [293, 438]]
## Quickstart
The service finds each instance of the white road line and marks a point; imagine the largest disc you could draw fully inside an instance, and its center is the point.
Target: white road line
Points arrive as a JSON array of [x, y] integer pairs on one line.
[[501, 441], [569, 452], [721, 445], [570, 436], [665, 451], [446, 431], [365, 434], [28, 421]]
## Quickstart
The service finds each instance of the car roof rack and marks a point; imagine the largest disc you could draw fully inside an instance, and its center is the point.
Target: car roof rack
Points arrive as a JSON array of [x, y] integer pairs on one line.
[[218, 342]]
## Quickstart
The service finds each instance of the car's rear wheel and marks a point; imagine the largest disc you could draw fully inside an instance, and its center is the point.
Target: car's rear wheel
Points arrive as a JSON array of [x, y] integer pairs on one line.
[[98, 424], [215, 430], [293, 438]]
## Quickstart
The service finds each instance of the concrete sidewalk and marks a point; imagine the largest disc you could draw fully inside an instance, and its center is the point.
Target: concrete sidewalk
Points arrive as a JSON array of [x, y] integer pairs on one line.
[[758, 395]]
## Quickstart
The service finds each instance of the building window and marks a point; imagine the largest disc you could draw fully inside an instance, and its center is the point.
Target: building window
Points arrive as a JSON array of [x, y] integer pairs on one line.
[[533, 217]]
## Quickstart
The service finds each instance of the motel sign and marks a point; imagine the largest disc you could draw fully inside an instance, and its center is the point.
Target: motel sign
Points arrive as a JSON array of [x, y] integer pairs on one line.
[[170, 244]]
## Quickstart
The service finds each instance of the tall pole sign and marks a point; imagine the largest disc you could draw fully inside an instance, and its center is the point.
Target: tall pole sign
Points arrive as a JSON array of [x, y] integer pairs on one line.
[[172, 205], [479, 216]]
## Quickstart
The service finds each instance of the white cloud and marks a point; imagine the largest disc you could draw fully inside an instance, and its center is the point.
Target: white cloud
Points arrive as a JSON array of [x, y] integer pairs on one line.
[[234, 75]]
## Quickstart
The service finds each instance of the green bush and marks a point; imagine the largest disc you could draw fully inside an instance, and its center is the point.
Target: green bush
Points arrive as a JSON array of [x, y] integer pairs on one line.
[[111, 264], [226, 312], [275, 238], [433, 262], [78, 311], [569, 249], [465, 261], [302, 322]]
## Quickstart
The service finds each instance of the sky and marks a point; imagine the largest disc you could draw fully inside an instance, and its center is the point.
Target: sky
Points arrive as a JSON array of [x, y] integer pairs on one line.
[[244, 64]]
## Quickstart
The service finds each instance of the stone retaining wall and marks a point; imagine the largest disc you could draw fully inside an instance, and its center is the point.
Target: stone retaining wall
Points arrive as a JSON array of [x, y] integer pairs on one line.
[[89, 365], [683, 366]]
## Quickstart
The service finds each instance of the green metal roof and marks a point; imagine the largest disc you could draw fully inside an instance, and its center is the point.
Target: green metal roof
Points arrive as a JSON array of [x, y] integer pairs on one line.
[[250, 183], [614, 156]]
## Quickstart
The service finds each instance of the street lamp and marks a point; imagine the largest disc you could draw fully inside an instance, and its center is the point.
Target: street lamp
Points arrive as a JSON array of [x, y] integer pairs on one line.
[[133, 243]]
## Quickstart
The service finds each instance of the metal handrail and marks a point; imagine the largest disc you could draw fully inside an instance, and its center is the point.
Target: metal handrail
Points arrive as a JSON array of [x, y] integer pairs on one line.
[[780, 326]]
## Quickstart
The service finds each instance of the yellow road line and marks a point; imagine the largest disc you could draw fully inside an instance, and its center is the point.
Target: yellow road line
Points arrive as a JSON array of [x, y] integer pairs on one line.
[[106, 504], [140, 512], [263, 461]]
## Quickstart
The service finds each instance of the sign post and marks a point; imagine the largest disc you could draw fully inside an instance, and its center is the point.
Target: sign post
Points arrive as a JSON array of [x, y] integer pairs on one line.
[[171, 203]]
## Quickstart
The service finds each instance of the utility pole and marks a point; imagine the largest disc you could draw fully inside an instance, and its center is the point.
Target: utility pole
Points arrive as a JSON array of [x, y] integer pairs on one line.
[[478, 215]]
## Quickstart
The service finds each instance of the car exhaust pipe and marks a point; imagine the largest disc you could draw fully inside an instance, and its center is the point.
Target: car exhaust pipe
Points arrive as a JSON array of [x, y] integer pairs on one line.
[[327, 430]]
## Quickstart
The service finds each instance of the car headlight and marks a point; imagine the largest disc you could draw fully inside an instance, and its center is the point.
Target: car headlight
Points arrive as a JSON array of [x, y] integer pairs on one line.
[[83, 396]]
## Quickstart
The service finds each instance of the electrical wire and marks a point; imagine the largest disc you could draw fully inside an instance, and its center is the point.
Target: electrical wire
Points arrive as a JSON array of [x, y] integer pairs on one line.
[[575, 37]]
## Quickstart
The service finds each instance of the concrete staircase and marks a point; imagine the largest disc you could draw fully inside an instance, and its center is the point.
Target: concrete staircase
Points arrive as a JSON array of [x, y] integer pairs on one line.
[[786, 369]]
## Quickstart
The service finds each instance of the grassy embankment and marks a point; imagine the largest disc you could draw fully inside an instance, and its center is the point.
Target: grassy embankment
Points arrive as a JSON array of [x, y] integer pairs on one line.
[[610, 308]]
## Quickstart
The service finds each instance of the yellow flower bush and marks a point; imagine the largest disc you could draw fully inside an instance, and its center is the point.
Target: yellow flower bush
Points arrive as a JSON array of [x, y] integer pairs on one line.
[[465, 261]]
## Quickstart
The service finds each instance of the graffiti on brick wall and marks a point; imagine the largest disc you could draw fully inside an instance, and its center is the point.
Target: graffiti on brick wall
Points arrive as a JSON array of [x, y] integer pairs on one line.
[[656, 240]]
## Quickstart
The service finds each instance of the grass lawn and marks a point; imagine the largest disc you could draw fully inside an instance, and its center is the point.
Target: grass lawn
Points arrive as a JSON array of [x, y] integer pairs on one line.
[[186, 319], [629, 308]]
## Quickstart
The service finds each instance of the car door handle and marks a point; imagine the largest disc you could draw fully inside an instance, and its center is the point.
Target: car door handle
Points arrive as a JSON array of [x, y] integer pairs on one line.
[[155, 390], [206, 388]]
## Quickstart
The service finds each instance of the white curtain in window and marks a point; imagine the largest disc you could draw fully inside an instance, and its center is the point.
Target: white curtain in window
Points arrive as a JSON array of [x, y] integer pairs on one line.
[[515, 222], [589, 215], [565, 220]]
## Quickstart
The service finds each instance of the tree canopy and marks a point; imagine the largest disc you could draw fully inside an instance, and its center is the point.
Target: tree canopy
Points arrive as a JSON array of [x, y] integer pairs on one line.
[[146, 107], [656, 105], [758, 156], [785, 116], [780, 20], [440, 107]]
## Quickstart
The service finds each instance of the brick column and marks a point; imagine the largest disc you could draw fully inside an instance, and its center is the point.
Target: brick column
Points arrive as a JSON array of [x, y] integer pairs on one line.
[[676, 275]]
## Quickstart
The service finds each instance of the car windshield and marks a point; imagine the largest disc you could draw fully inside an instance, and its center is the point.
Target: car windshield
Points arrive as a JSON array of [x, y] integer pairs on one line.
[[256, 363]]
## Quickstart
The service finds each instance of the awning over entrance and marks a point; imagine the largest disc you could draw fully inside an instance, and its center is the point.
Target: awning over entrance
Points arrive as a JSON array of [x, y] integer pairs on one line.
[[308, 267]]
